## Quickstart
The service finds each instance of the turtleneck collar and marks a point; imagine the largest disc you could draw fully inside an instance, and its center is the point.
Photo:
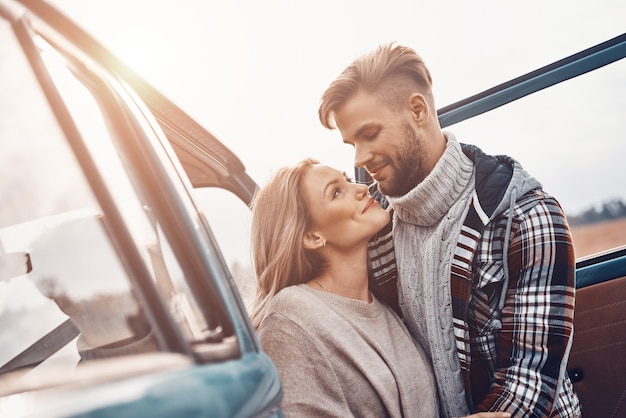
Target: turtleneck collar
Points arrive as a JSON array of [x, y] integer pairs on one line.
[[430, 200]]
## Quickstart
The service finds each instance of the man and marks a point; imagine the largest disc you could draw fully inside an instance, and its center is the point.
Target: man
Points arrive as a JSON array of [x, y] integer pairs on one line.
[[485, 262]]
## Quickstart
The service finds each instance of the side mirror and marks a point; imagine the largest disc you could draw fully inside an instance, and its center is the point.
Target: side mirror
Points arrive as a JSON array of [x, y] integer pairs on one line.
[[14, 264]]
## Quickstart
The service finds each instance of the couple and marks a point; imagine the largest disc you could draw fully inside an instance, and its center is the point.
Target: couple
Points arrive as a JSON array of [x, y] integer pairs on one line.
[[479, 270]]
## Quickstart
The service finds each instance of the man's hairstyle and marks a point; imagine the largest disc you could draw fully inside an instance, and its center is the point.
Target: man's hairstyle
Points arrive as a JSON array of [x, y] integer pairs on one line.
[[392, 72]]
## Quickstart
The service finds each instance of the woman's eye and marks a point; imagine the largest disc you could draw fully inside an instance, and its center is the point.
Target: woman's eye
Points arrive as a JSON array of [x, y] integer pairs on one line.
[[336, 192]]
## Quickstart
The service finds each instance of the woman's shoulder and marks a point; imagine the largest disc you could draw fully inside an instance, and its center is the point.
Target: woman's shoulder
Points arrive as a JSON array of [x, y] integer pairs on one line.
[[293, 307], [297, 297]]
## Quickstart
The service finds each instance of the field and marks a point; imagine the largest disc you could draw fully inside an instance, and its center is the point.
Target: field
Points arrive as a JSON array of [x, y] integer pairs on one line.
[[597, 237]]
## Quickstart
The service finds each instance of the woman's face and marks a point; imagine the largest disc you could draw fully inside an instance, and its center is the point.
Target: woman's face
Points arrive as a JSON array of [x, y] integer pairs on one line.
[[342, 212]]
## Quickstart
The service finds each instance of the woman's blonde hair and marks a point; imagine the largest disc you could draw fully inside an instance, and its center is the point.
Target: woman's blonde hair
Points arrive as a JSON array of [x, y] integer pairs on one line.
[[280, 218]]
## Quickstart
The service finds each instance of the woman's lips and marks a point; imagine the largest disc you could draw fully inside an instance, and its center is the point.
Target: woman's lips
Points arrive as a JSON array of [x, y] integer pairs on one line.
[[371, 202]]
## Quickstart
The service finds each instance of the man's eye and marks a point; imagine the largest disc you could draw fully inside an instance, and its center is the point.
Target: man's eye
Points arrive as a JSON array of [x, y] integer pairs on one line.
[[370, 136]]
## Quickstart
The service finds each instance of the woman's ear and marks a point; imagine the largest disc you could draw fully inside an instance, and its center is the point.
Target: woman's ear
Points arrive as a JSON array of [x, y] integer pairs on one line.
[[313, 241]]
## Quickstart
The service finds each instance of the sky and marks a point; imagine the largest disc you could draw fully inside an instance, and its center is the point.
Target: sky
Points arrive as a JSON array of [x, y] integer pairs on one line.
[[252, 73]]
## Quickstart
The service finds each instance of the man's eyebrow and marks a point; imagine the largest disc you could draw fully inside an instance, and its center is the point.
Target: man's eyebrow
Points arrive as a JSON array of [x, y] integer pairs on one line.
[[364, 128], [361, 130]]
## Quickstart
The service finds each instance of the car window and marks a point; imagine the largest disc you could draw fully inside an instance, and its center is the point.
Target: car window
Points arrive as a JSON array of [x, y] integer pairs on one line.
[[576, 150], [68, 294], [50, 216], [220, 208]]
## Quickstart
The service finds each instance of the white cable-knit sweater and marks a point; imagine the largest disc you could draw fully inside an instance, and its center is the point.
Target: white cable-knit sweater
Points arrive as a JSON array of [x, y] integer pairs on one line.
[[427, 222]]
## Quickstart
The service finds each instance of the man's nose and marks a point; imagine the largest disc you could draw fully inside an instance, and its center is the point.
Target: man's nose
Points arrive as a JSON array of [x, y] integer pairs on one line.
[[362, 155]]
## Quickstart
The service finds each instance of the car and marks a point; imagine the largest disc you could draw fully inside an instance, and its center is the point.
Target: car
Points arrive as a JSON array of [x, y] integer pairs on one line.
[[115, 296], [115, 299]]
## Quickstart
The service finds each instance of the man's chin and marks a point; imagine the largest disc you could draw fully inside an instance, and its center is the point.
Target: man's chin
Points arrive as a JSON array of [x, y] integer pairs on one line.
[[392, 189], [386, 188]]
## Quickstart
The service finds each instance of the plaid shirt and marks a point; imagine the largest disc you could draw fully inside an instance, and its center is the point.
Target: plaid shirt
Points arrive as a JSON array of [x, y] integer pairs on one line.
[[517, 353], [513, 341]]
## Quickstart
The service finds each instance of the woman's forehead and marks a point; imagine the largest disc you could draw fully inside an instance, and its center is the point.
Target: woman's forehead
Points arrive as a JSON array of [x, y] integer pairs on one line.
[[318, 177], [325, 170]]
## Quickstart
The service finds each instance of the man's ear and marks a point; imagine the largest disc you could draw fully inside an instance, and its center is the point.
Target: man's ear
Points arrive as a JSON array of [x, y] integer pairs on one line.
[[419, 108], [313, 241]]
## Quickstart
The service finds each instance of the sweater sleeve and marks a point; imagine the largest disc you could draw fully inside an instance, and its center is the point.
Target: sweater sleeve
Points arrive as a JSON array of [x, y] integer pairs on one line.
[[308, 377], [537, 318]]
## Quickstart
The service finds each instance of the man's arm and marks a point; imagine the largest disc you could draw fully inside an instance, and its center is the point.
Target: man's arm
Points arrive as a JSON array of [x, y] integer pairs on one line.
[[537, 318]]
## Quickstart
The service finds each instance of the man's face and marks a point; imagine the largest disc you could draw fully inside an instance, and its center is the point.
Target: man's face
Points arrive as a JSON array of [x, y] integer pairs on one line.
[[386, 141]]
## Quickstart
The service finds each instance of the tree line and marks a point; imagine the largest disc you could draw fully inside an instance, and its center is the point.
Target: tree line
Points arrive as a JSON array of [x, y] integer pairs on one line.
[[610, 209]]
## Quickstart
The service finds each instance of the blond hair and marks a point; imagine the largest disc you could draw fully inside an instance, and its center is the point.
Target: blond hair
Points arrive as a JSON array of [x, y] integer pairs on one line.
[[280, 219], [391, 72]]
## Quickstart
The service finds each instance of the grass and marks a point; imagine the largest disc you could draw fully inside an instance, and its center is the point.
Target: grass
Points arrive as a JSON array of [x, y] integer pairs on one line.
[[597, 237]]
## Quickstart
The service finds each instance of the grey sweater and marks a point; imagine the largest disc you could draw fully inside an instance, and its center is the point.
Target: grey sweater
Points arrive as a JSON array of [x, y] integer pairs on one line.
[[427, 224], [340, 357]]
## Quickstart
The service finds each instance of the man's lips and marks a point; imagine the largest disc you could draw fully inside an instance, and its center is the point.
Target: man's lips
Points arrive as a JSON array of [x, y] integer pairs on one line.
[[375, 171], [371, 202]]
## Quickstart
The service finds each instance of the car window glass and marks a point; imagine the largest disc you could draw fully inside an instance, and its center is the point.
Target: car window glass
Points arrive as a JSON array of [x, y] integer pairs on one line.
[[73, 289], [50, 214], [221, 208]]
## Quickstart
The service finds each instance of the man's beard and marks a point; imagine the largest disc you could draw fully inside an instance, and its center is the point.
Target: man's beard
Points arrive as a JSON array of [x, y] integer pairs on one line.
[[408, 167]]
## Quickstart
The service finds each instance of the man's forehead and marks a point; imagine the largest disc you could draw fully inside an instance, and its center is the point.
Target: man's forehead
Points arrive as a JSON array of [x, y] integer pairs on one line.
[[359, 110]]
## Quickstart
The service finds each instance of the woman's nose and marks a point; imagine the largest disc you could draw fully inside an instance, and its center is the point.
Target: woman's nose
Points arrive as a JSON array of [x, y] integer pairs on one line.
[[361, 191]]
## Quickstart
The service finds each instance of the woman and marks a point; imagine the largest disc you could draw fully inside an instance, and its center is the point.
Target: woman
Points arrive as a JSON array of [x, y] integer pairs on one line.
[[339, 351]]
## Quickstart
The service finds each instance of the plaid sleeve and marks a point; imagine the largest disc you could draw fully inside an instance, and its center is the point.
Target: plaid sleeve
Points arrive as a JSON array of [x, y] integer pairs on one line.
[[382, 269], [537, 318]]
